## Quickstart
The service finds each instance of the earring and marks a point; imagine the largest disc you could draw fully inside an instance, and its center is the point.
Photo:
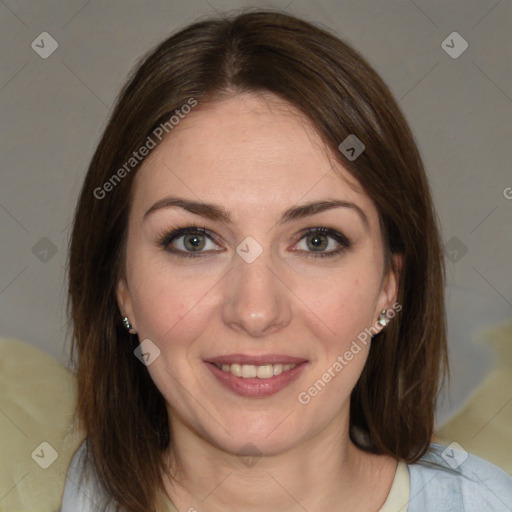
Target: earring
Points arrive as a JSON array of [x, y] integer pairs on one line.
[[128, 326], [383, 319]]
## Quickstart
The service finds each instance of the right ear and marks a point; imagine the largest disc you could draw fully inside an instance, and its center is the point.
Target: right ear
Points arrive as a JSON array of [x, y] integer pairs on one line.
[[125, 302]]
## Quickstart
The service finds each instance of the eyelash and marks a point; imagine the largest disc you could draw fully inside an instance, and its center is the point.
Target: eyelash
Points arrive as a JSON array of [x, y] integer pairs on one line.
[[167, 237]]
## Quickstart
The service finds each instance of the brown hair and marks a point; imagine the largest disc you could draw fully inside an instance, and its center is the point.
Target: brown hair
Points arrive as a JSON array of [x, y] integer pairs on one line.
[[393, 403]]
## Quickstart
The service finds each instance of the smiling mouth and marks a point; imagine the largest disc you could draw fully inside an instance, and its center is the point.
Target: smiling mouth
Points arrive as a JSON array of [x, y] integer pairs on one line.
[[250, 371], [256, 376]]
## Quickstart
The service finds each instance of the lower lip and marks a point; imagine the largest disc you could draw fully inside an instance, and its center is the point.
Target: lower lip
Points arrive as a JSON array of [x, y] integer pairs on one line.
[[255, 387]]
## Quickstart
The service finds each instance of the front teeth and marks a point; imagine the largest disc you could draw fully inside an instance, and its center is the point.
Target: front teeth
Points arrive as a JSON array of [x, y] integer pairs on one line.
[[250, 371]]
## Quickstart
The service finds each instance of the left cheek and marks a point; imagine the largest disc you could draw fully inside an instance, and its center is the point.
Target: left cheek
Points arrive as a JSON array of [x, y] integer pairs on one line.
[[347, 310]]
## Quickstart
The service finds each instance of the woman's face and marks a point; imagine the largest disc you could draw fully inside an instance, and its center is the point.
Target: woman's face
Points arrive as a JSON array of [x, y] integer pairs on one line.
[[258, 295]]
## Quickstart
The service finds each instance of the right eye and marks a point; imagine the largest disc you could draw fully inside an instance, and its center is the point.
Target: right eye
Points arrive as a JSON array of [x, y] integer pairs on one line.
[[192, 240]]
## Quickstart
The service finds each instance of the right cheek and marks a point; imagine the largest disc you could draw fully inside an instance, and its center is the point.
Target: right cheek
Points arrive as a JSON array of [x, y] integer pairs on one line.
[[160, 318]]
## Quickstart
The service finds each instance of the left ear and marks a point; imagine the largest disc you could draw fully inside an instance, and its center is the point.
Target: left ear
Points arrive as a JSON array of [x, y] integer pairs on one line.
[[390, 284]]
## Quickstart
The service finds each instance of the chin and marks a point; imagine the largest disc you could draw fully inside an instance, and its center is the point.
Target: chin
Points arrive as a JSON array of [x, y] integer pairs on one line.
[[252, 433]]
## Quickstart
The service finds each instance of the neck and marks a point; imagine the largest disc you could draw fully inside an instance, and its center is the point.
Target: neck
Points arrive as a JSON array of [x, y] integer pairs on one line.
[[326, 472]]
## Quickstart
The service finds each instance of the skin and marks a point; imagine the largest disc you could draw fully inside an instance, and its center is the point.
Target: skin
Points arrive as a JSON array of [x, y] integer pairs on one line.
[[256, 156]]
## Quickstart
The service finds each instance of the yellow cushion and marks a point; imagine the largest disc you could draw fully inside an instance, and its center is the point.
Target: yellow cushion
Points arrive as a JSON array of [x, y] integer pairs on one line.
[[37, 400], [483, 425]]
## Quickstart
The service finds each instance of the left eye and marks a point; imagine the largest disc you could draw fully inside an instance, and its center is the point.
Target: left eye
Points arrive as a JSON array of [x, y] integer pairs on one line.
[[318, 239]]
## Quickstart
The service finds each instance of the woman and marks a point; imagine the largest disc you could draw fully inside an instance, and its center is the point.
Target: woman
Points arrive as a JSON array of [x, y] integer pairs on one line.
[[256, 289]]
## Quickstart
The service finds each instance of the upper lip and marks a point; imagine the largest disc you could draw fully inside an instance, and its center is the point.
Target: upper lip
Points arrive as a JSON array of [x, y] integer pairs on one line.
[[255, 360]]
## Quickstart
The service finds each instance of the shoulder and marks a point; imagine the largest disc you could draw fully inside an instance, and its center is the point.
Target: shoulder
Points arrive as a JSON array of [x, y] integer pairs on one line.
[[81, 492], [449, 478]]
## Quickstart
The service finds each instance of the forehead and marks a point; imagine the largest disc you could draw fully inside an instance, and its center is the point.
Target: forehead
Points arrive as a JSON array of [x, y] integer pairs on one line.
[[243, 152]]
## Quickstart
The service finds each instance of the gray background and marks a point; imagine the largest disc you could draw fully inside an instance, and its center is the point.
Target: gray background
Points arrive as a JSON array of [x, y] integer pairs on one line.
[[53, 111]]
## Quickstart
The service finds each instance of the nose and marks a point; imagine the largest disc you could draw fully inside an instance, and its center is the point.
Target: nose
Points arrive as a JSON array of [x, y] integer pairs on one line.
[[256, 297]]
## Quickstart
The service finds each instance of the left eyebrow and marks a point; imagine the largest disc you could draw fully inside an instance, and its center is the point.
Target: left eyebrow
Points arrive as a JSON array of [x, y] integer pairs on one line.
[[217, 212]]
